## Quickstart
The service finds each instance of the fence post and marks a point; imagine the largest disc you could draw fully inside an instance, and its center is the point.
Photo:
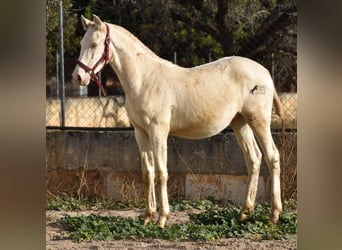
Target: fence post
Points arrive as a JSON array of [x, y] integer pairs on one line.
[[100, 79], [61, 68], [273, 67], [57, 74]]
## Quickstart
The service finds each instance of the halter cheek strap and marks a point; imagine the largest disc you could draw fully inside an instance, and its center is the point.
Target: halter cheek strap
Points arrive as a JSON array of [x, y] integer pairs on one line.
[[104, 58]]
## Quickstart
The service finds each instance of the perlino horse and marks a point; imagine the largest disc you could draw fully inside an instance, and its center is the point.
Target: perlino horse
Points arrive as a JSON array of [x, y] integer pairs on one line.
[[163, 98]]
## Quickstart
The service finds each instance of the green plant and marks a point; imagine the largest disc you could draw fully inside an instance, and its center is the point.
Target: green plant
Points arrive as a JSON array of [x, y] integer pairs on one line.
[[216, 222], [66, 202], [181, 205]]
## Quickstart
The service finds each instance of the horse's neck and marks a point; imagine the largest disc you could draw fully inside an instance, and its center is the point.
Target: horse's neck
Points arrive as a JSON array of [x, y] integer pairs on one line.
[[130, 60]]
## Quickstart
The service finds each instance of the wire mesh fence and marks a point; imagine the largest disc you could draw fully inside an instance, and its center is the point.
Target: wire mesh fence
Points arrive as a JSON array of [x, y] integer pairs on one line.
[[109, 112], [289, 105], [97, 112]]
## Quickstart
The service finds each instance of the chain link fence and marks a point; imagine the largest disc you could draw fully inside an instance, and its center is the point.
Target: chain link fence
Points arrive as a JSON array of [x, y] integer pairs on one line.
[[95, 112], [289, 104], [109, 112]]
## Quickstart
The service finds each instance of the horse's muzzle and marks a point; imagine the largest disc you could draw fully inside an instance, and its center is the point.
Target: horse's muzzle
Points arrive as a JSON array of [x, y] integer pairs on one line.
[[80, 78]]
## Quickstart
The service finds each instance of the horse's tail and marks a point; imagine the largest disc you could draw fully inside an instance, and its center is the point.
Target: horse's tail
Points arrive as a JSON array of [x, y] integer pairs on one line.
[[278, 106]]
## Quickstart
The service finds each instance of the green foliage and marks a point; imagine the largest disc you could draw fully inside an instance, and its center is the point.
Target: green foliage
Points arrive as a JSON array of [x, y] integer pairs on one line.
[[71, 40], [216, 222], [193, 46], [257, 225], [182, 205], [65, 202]]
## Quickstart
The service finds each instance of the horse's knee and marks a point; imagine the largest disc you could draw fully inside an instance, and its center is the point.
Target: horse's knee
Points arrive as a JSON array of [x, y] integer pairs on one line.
[[148, 173], [273, 161], [255, 163], [163, 177]]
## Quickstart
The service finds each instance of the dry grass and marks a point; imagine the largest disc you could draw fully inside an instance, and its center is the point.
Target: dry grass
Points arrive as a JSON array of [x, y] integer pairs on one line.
[[81, 182], [288, 160]]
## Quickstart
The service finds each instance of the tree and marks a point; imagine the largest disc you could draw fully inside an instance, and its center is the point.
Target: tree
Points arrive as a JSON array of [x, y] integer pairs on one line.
[[52, 35], [254, 29], [152, 23], [201, 30], [263, 30]]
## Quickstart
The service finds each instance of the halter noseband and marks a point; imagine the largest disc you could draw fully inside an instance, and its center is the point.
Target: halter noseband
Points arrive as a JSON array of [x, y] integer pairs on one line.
[[104, 58]]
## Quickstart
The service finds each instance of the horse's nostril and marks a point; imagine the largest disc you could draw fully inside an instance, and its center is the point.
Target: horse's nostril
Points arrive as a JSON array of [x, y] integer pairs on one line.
[[79, 78]]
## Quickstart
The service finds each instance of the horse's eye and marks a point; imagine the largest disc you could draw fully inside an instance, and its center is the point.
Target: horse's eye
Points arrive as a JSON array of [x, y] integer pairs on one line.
[[93, 45]]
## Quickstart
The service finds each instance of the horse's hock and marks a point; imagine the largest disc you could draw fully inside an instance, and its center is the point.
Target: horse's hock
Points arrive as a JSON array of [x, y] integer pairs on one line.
[[107, 164]]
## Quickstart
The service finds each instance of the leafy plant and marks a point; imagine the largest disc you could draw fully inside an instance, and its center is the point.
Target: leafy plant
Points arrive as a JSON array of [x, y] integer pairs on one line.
[[182, 205], [216, 222], [65, 202]]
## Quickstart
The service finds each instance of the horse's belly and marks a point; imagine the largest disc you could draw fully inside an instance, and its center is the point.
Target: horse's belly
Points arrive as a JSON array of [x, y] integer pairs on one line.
[[193, 134], [199, 131]]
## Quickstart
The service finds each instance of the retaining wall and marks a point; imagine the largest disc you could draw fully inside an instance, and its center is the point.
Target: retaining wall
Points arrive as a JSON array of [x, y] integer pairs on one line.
[[107, 164]]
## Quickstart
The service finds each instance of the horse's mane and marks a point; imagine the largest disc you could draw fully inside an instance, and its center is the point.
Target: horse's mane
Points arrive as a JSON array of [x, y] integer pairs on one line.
[[137, 43]]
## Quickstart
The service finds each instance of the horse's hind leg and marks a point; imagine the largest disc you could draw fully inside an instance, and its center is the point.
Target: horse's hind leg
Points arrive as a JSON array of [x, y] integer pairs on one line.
[[263, 133], [252, 155]]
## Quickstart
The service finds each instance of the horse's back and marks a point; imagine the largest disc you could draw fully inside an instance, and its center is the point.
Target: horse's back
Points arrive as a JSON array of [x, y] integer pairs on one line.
[[210, 95]]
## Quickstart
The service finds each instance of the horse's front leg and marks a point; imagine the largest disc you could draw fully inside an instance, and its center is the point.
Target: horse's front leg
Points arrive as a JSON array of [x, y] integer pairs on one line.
[[158, 135], [148, 172]]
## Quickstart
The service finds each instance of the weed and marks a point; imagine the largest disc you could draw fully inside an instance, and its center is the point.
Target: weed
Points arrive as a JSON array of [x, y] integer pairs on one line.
[[218, 221], [65, 202]]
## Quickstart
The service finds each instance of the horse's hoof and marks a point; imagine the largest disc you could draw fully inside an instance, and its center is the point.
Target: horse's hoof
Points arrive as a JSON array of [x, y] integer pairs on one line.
[[162, 220], [245, 212], [242, 216], [148, 219], [275, 216]]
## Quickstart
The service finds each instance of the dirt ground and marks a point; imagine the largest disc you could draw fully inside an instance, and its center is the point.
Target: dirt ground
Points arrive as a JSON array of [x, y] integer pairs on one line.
[[53, 232]]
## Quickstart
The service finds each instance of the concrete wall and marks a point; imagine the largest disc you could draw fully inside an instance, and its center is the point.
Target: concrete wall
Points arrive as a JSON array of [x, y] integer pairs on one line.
[[107, 163]]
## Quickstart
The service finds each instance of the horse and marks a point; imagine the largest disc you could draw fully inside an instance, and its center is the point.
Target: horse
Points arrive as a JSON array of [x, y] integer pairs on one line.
[[165, 99]]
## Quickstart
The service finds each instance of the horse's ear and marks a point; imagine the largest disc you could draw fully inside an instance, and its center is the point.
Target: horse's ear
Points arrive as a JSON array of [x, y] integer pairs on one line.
[[97, 21], [86, 22]]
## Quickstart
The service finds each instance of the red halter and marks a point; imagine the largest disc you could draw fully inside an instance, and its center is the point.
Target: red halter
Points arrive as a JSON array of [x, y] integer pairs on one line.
[[104, 58]]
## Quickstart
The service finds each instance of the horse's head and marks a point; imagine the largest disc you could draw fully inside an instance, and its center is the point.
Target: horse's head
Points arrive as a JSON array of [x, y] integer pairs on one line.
[[94, 50]]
